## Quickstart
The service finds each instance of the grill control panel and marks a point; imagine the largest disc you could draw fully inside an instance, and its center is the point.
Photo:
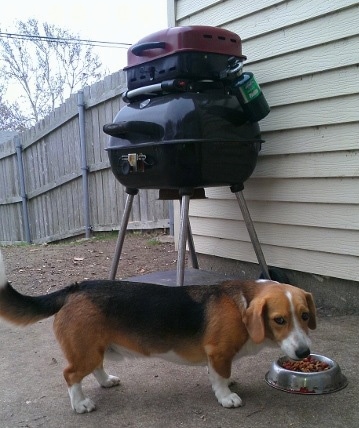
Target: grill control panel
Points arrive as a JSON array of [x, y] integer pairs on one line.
[[132, 162]]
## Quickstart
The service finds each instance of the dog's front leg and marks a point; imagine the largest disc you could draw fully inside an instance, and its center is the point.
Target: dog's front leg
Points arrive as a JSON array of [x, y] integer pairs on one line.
[[221, 389]]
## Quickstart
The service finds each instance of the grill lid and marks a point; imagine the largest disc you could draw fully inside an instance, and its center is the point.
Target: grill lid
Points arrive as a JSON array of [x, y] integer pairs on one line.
[[196, 38]]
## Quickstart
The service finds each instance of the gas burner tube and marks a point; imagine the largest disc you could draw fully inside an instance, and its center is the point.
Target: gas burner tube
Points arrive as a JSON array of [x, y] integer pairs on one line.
[[167, 86]]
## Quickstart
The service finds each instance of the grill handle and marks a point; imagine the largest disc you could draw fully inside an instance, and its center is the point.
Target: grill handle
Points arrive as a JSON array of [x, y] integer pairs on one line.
[[122, 129], [141, 47]]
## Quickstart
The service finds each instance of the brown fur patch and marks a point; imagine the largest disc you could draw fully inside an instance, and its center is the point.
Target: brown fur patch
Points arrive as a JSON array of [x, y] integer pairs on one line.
[[83, 335], [225, 334]]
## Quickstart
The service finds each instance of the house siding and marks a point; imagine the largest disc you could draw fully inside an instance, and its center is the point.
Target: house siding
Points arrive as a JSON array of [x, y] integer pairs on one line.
[[304, 193]]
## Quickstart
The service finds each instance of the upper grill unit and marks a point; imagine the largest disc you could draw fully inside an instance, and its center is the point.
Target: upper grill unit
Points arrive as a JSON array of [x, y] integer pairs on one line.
[[193, 52]]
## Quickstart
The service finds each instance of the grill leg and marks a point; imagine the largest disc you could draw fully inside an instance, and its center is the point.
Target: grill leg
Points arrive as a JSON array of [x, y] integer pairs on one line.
[[122, 233], [184, 225], [192, 250], [252, 233]]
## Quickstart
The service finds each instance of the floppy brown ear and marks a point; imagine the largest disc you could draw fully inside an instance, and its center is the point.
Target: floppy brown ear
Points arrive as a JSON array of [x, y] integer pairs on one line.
[[254, 320], [312, 324]]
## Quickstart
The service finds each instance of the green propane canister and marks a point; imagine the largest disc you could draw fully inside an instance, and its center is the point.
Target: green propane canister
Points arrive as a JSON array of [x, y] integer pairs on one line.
[[251, 97]]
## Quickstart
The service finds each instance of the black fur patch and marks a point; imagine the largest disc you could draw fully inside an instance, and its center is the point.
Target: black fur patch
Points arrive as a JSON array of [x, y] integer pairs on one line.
[[149, 309]]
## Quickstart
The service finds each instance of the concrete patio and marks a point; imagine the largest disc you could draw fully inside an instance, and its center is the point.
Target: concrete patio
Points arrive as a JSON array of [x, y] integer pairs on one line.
[[155, 394]]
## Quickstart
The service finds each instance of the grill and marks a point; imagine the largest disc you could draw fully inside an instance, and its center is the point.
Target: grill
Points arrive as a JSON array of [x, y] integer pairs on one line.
[[191, 119]]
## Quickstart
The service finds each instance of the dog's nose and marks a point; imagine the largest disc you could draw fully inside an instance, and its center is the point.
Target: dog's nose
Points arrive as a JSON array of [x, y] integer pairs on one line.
[[302, 352]]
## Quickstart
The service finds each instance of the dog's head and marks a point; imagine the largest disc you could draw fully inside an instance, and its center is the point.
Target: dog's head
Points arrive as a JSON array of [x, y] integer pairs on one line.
[[284, 314]]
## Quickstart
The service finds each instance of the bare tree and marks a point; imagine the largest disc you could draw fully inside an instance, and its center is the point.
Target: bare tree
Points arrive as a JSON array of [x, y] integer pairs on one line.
[[48, 64], [11, 118]]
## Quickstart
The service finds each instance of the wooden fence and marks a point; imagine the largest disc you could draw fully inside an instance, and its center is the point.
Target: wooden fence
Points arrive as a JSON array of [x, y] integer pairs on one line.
[[43, 177]]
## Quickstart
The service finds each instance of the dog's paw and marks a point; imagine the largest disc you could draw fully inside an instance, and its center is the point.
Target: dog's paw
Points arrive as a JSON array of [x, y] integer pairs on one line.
[[110, 381], [84, 406], [231, 400], [104, 379]]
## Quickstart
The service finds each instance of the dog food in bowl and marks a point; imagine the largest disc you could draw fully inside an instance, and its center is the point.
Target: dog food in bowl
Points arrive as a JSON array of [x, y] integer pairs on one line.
[[307, 365], [315, 374]]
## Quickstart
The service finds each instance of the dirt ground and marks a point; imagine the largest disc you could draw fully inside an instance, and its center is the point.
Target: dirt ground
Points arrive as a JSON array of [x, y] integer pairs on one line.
[[37, 269]]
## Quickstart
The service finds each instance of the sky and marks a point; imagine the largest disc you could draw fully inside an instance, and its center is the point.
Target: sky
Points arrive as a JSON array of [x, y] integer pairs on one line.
[[125, 21]]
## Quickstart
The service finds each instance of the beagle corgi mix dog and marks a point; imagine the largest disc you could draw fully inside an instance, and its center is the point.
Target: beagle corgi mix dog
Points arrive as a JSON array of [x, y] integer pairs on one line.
[[199, 325]]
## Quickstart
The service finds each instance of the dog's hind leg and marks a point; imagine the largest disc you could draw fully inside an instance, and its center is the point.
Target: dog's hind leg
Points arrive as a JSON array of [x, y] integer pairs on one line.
[[219, 371], [79, 367], [83, 344], [79, 402], [104, 379], [73, 376]]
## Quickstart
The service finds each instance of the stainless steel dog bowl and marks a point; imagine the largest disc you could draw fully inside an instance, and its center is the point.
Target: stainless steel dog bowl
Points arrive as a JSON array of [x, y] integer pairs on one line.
[[321, 382]]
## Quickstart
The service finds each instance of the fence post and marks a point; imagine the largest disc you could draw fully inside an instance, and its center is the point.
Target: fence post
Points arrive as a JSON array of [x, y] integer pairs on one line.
[[84, 166], [20, 169]]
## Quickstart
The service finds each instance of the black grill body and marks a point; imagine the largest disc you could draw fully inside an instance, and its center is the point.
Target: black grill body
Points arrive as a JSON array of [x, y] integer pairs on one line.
[[183, 140]]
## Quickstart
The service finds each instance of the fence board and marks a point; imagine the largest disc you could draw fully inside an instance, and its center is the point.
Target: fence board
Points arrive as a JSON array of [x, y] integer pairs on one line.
[[53, 176]]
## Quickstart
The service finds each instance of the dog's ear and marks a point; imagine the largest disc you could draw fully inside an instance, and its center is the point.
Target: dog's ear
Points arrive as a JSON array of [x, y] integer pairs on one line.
[[254, 320], [312, 324]]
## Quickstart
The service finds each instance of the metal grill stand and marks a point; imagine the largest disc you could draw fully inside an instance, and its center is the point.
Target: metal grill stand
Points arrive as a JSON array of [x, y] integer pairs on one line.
[[185, 235]]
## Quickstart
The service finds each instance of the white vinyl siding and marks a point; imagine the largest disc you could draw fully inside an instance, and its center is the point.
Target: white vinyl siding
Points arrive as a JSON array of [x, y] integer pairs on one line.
[[304, 193]]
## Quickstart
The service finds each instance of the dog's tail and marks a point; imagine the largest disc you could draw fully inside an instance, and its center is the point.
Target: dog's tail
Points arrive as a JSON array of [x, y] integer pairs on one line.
[[21, 309]]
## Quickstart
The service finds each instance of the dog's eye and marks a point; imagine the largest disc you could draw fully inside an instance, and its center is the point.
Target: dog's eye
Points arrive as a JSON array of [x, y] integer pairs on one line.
[[305, 316], [279, 320]]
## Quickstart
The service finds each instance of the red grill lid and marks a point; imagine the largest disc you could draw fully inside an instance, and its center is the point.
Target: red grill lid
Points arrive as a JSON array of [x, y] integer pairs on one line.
[[197, 38]]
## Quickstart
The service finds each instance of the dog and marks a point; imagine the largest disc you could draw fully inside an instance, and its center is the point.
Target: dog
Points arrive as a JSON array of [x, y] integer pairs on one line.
[[209, 325]]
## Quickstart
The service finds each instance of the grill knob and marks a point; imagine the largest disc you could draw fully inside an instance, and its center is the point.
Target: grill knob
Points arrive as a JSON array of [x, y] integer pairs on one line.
[[125, 167]]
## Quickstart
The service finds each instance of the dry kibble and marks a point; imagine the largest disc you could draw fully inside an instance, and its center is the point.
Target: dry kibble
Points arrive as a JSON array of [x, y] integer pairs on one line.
[[307, 365]]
